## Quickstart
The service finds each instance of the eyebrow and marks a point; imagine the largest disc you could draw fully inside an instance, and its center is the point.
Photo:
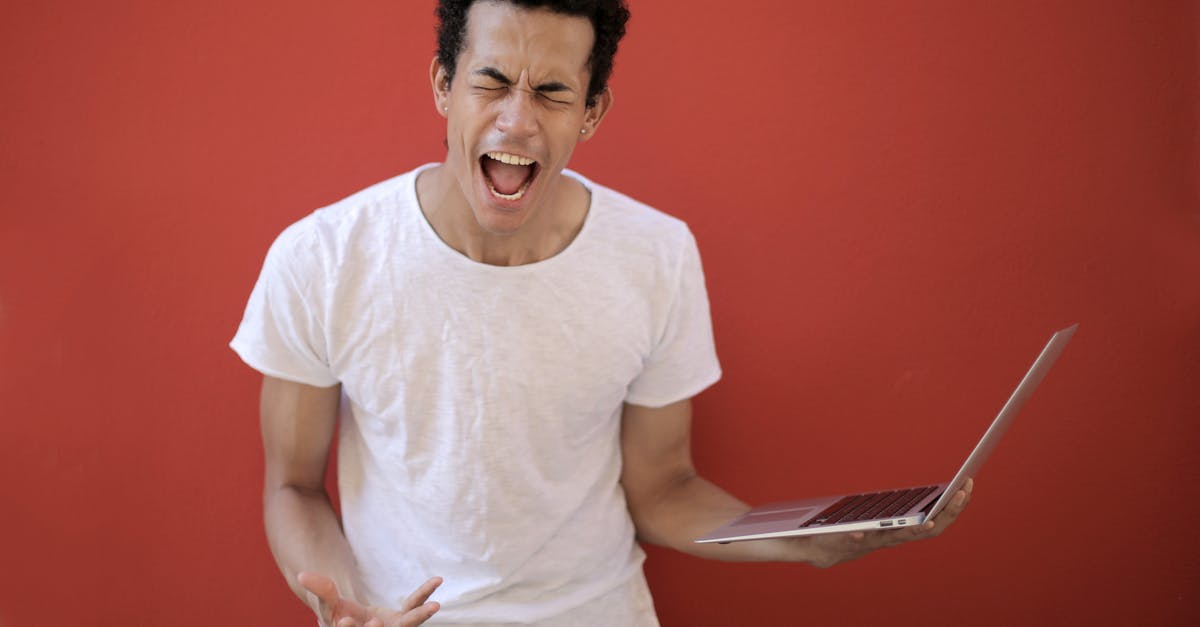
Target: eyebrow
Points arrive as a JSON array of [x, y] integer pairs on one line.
[[498, 76]]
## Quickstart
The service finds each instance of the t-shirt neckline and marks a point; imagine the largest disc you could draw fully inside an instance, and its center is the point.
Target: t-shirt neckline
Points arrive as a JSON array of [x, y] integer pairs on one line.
[[435, 240]]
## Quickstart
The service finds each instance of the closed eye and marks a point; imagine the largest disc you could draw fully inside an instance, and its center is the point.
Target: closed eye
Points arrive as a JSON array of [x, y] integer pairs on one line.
[[545, 90], [554, 100]]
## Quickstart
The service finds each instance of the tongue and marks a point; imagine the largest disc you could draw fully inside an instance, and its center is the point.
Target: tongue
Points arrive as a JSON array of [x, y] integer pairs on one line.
[[506, 179]]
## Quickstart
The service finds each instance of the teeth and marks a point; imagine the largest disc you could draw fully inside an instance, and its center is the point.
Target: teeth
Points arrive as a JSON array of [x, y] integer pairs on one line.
[[504, 157]]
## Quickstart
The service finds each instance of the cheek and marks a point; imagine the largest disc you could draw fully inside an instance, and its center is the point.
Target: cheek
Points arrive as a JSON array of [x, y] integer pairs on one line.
[[566, 142], [458, 139]]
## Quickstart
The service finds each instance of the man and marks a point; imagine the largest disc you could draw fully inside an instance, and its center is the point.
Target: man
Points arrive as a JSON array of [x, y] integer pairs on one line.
[[514, 347]]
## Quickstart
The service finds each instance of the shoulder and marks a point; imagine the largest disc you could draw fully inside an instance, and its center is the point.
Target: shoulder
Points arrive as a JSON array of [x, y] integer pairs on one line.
[[353, 225], [618, 216]]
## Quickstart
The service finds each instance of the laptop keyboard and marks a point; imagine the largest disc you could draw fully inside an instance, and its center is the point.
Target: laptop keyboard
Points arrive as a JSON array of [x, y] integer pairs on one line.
[[870, 506]]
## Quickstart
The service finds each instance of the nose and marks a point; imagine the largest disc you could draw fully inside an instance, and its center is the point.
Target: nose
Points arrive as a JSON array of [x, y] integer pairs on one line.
[[518, 114]]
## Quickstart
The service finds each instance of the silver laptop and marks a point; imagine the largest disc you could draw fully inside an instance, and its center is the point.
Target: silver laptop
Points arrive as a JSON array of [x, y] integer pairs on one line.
[[886, 509]]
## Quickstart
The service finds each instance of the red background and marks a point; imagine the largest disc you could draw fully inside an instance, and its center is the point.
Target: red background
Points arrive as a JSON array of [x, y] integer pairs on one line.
[[896, 204]]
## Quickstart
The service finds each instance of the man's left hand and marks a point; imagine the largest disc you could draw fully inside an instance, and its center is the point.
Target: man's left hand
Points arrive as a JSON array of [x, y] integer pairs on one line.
[[827, 550]]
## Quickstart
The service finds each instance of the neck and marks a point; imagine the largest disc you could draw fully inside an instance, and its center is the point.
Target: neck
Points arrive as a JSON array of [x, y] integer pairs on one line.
[[549, 229]]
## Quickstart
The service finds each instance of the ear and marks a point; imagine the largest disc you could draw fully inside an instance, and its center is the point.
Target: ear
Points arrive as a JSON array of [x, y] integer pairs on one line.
[[440, 81], [595, 114]]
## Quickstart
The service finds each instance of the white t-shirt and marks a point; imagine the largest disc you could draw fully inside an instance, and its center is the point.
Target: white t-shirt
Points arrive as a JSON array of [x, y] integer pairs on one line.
[[481, 414]]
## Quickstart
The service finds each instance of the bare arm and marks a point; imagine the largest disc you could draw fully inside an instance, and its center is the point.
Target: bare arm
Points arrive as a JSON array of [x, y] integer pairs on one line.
[[303, 530], [671, 504]]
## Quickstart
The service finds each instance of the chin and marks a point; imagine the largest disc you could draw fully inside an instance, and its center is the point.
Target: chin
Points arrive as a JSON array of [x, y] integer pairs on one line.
[[501, 222]]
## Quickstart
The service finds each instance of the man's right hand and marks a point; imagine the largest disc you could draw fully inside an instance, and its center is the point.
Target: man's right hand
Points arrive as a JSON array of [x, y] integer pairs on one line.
[[334, 610]]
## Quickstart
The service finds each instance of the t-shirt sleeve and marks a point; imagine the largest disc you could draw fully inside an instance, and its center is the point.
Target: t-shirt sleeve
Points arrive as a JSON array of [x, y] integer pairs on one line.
[[684, 361], [281, 334]]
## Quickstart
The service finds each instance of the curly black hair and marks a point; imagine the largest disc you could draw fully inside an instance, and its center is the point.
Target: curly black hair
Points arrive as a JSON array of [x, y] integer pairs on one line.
[[608, 19]]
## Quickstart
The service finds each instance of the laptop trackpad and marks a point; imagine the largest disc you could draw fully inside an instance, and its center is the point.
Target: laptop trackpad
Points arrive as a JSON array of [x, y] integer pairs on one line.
[[797, 513]]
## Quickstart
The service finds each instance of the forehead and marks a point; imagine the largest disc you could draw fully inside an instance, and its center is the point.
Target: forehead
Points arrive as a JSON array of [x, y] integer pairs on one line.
[[502, 34]]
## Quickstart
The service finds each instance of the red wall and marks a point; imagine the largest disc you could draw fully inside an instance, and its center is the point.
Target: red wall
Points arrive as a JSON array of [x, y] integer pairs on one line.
[[896, 203]]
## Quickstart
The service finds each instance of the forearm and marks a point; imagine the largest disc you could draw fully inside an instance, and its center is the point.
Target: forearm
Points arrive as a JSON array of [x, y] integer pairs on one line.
[[671, 504], [305, 535], [692, 506]]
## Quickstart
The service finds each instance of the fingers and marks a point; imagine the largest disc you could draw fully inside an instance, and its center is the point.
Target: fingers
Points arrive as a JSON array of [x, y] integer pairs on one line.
[[420, 614], [935, 526], [421, 594], [957, 504]]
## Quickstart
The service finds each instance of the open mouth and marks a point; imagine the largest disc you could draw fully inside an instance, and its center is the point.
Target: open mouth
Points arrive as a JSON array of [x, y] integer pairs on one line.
[[508, 175]]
